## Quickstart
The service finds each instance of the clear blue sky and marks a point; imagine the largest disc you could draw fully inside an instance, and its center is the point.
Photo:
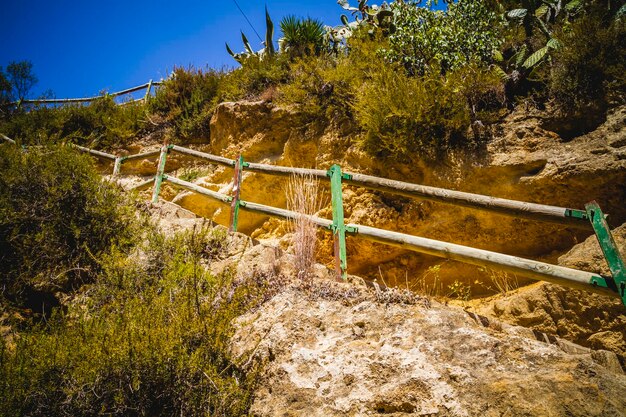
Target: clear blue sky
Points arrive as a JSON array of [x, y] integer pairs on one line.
[[79, 48]]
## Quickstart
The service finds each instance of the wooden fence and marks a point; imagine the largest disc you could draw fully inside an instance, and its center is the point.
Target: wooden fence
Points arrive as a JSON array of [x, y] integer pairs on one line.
[[147, 86]]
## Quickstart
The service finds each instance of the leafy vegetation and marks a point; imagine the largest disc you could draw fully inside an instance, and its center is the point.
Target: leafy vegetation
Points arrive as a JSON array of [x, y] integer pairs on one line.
[[399, 78], [100, 124], [428, 40], [147, 338], [186, 101], [130, 327], [590, 69], [56, 219], [18, 80], [301, 37]]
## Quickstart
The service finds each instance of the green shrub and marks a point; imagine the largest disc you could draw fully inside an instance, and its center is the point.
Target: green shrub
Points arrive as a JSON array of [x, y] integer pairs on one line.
[[186, 100], [324, 88], [421, 116], [145, 339], [591, 65], [57, 218], [101, 124], [430, 40], [256, 77]]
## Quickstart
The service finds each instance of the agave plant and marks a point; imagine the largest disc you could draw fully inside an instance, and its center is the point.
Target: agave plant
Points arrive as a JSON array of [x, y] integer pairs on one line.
[[301, 36], [267, 51]]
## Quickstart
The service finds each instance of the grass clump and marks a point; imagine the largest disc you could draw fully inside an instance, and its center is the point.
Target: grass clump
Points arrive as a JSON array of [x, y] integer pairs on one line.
[[57, 218], [424, 116], [140, 341], [303, 198], [256, 79]]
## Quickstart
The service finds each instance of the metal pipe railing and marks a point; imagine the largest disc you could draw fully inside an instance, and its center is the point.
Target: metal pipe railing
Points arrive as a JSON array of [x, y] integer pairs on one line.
[[589, 281], [524, 267]]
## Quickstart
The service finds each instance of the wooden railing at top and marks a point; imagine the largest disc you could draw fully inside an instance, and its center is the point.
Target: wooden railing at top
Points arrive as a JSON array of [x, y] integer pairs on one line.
[[147, 86], [592, 217]]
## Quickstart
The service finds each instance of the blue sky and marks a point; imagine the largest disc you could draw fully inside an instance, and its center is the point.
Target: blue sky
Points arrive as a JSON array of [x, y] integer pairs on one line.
[[79, 48]]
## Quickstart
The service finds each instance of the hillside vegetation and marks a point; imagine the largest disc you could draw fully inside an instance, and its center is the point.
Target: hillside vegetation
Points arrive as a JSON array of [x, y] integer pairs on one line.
[[102, 314], [402, 77]]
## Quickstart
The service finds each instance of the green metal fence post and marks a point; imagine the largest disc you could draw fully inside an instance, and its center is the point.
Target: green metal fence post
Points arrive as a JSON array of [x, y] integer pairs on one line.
[[158, 178], [610, 251], [338, 227], [235, 203]]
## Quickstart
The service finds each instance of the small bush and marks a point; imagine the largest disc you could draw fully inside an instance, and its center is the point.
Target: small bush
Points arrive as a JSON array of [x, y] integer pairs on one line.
[[57, 218], [301, 37], [324, 89], [430, 40], [186, 100], [254, 78], [140, 341], [404, 116], [590, 68]]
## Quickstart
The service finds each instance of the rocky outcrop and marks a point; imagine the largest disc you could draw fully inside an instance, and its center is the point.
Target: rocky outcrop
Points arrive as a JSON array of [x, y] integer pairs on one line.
[[330, 352], [522, 161], [324, 348], [587, 319]]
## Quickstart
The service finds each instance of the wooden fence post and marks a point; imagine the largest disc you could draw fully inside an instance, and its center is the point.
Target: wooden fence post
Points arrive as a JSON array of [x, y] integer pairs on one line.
[[145, 98], [234, 205], [158, 178]]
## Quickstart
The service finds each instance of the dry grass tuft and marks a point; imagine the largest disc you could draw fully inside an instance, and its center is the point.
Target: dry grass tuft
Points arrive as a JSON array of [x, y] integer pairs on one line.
[[303, 197]]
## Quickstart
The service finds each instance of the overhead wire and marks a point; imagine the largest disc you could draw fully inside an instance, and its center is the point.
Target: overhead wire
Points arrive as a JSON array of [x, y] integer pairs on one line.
[[248, 20]]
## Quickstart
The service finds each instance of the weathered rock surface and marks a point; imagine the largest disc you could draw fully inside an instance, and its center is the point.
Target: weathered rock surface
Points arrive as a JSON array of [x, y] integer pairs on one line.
[[588, 319], [342, 349], [328, 354]]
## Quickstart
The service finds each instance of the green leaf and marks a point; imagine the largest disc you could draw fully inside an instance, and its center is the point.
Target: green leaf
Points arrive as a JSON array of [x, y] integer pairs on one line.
[[517, 13], [497, 56], [573, 5], [230, 51], [499, 72], [269, 34], [519, 57], [541, 11], [554, 43], [344, 19], [535, 57], [246, 44]]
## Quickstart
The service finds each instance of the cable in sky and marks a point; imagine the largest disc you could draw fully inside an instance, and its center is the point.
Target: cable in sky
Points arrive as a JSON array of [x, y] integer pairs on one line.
[[248, 20]]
